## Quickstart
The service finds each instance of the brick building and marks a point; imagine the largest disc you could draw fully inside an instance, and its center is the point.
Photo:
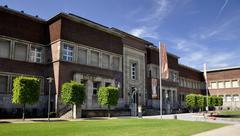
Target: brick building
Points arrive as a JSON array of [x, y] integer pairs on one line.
[[68, 47], [225, 82]]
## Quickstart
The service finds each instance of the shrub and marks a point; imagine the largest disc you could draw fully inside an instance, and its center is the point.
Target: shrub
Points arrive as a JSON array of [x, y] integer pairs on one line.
[[108, 96], [26, 90], [191, 101], [73, 93]]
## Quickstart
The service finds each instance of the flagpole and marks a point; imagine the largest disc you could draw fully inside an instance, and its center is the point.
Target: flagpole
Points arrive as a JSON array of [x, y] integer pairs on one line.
[[160, 79], [206, 81]]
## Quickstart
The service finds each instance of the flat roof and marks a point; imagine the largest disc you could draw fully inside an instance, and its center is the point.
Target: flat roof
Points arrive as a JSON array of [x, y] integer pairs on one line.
[[22, 14], [223, 69]]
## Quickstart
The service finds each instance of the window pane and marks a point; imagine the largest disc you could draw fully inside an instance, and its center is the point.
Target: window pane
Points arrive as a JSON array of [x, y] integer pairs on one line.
[[4, 48], [94, 58], [214, 85], [116, 62], [133, 71], [67, 53], [105, 61], [3, 84], [228, 84], [220, 84], [36, 54], [82, 56], [20, 51], [235, 83]]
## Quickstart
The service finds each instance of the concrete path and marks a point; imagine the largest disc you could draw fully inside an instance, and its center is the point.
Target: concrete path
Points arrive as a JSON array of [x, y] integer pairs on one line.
[[232, 130]]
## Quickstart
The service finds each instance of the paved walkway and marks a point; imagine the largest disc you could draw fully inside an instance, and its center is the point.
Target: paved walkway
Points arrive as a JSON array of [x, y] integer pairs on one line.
[[233, 130]]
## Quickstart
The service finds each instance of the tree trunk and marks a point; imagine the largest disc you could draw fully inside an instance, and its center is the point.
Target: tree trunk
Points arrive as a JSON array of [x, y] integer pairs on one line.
[[72, 111], [109, 115], [23, 112]]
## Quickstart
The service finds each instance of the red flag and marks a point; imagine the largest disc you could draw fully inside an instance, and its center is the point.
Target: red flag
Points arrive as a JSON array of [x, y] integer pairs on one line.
[[164, 60]]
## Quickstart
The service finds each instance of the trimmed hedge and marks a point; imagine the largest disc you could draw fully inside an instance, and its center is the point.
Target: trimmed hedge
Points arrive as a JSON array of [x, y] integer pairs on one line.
[[195, 101]]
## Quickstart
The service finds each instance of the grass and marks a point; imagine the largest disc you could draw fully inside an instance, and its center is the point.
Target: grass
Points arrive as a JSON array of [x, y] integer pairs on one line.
[[230, 112], [113, 127]]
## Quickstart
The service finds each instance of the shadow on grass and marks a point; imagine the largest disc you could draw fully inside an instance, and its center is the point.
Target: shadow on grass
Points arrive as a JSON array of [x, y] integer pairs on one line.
[[4, 122], [62, 120]]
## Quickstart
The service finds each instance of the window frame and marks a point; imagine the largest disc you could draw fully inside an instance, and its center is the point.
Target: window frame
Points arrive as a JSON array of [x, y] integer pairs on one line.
[[67, 54]]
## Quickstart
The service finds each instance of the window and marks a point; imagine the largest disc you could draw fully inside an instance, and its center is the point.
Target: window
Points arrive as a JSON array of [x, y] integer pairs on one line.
[[96, 86], [235, 98], [107, 84], [227, 84], [36, 54], [115, 64], [105, 61], [67, 53], [235, 83], [155, 72], [3, 84], [134, 71], [4, 48], [229, 98], [82, 56], [20, 51], [94, 58], [214, 85], [220, 84], [175, 77]]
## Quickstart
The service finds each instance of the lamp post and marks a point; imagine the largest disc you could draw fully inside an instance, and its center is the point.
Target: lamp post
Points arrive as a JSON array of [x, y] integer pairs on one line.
[[50, 79]]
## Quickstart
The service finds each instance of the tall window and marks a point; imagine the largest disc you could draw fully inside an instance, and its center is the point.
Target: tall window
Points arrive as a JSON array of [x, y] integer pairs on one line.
[[105, 61], [82, 56], [67, 53], [96, 86], [20, 52], [134, 71], [3, 84], [95, 58], [36, 54], [116, 62], [4, 48]]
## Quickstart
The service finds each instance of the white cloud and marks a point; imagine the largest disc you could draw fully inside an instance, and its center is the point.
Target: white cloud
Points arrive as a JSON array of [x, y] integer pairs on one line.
[[222, 8], [161, 9], [146, 32], [195, 54]]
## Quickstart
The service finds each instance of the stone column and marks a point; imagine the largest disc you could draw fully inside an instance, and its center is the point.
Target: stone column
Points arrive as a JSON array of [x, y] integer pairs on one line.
[[89, 90]]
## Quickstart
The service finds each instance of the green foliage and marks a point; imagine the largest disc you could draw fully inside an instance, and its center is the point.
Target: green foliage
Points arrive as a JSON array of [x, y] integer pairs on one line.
[[195, 101], [73, 93], [200, 102], [26, 90], [108, 96], [220, 101], [191, 101]]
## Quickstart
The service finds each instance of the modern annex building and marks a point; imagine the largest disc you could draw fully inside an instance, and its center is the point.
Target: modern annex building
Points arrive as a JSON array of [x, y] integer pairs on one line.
[[68, 47], [225, 82]]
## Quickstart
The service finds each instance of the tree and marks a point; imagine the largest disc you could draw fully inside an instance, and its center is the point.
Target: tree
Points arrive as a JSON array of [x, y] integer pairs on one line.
[[73, 94], [26, 90], [191, 101], [220, 101], [108, 96]]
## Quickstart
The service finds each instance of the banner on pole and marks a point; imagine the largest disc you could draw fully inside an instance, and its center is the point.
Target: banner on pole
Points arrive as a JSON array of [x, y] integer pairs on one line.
[[154, 88], [164, 61]]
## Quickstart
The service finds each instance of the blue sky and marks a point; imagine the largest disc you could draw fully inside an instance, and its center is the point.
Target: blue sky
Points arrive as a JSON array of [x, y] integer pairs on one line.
[[198, 31]]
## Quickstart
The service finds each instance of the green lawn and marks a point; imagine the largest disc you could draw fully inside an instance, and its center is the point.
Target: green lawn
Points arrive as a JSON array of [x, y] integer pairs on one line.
[[229, 113], [113, 127]]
